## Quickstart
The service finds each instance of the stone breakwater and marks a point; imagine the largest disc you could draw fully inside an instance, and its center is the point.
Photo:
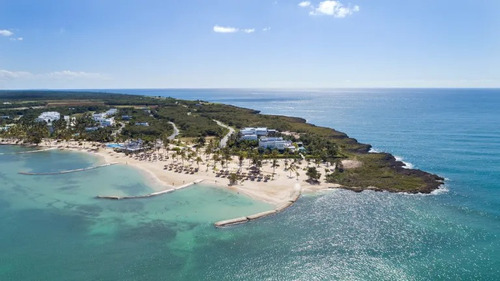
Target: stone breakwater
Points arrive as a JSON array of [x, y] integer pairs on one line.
[[28, 152], [279, 208], [111, 197], [67, 171]]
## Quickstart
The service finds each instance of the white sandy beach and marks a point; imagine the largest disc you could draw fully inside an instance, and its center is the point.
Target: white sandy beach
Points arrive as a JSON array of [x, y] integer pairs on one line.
[[282, 188]]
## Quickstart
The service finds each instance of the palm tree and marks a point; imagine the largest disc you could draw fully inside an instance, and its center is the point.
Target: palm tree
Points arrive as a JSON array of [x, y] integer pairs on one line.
[[190, 155], [183, 156], [255, 157], [216, 158], [274, 165], [166, 148], [233, 179], [317, 161], [198, 160], [274, 154], [241, 158], [292, 168], [258, 164], [228, 158], [313, 175]]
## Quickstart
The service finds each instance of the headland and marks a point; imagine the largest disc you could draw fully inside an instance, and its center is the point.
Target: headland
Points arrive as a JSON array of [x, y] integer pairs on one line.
[[177, 142]]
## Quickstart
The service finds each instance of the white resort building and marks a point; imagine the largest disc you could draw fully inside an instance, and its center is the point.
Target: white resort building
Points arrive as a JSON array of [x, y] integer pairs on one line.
[[110, 112], [102, 118], [266, 139], [261, 131], [49, 117], [275, 143], [252, 133]]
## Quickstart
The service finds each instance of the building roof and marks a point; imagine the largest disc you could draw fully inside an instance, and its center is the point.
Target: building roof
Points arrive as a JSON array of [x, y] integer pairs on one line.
[[267, 139]]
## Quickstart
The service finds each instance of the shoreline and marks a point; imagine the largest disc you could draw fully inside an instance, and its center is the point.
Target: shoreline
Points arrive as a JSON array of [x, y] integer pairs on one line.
[[275, 192], [281, 192]]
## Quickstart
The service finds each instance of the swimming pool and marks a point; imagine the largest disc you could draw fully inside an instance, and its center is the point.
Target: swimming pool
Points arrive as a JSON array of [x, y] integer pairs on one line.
[[114, 145]]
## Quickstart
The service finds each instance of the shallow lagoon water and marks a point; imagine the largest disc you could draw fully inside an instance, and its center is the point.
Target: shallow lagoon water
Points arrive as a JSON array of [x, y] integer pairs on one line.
[[337, 235], [53, 227]]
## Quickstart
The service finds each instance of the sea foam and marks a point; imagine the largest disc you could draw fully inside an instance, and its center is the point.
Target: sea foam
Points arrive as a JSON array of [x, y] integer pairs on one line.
[[442, 189], [407, 165]]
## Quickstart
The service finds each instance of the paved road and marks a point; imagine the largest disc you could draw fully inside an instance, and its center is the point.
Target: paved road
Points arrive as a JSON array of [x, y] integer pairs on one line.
[[176, 132], [223, 142], [119, 131]]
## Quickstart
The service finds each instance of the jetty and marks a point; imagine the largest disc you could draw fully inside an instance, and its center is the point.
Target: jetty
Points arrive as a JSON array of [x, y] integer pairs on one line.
[[279, 208], [30, 151], [67, 171], [170, 190]]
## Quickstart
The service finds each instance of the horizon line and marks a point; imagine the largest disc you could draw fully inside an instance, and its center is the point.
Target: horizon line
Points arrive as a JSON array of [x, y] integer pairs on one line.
[[255, 88]]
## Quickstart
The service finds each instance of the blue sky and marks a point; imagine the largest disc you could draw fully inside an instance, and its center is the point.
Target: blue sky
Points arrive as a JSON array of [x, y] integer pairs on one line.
[[249, 44]]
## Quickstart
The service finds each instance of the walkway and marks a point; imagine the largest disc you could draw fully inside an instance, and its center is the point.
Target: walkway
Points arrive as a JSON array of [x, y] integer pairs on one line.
[[176, 131], [119, 131], [224, 140]]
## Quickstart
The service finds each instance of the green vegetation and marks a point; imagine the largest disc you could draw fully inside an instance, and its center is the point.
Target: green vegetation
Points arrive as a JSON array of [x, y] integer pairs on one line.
[[189, 121], [379, 170], [313, 175]]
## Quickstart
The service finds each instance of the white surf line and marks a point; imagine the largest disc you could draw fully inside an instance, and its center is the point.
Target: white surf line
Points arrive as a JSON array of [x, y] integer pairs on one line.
[[68, 171], [31, 151], [150, 194], [176, 131], [224, 140]]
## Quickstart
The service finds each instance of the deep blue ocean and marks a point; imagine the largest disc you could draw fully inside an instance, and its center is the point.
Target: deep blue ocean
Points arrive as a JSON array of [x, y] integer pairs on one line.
[[48, 232]]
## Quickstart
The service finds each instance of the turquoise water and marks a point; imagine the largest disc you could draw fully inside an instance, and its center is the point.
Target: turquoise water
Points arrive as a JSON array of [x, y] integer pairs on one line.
[[52, 228]]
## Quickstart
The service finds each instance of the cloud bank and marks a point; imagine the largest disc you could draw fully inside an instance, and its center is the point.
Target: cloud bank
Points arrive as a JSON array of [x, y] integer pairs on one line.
[[8, 75], [55, 75]]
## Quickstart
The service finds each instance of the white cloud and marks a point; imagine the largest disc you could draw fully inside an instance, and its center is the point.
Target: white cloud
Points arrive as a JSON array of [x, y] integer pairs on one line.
[[304, 4], [225, 29], [326, 8], [6, 33], [332, 8], [266, 29], [228, 29]]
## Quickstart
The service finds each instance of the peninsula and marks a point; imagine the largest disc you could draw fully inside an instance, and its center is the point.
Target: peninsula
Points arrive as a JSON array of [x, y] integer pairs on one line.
[[177, 142]]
